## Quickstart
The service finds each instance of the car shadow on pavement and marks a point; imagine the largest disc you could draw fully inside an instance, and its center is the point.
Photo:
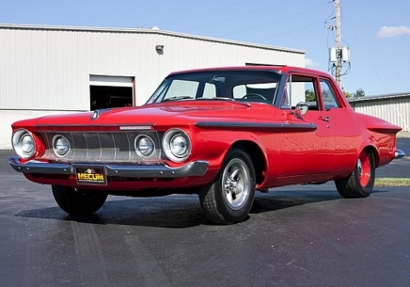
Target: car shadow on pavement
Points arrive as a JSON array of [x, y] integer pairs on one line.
[[177, 211], [273, 201], [152, 212]]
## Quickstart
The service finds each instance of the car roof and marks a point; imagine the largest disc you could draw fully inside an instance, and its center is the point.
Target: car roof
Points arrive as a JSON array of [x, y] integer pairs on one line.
[[276, 68]]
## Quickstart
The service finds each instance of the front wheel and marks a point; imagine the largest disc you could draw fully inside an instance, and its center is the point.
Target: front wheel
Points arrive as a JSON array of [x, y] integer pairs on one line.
[[77, 201], [230, 197], [361, 181]]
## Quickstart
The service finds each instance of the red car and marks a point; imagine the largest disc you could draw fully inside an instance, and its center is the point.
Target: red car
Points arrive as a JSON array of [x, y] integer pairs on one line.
[[221, 133]]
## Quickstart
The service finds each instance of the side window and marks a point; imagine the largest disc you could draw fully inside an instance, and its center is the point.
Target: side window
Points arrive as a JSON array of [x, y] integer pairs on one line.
[[300, 89], [329, 95]]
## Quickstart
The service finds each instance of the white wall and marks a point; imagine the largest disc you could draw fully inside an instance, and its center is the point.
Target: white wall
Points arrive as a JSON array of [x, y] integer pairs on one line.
[[7, 117], [46, 70]]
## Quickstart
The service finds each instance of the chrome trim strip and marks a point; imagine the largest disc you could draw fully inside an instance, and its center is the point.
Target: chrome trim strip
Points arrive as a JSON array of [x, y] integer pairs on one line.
[[135, 128], [149, 126], [399, 154], [196, 168], [307, 126]]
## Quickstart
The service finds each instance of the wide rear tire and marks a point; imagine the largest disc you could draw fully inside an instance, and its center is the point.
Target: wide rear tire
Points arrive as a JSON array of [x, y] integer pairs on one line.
[[77, 201], [360, 182], [230, 197]]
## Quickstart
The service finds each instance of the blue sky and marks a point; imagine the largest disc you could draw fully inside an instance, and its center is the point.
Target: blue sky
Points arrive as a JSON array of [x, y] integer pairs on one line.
[[377, 32]]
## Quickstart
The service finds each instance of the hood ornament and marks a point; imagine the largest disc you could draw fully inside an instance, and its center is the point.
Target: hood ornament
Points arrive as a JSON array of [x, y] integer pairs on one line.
[[97, 113]]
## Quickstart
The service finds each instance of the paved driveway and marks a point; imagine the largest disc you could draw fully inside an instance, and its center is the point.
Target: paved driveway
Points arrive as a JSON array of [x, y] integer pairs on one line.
[[295, 236]]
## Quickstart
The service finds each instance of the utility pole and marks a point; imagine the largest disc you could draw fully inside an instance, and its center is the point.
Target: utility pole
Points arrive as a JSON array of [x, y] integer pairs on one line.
[[339, 56], [338, 44]]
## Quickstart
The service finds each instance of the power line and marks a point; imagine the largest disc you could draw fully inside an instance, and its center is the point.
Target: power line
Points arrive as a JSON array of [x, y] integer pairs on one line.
[[292, 31], [275, 21], [236, 17], [203, 13]]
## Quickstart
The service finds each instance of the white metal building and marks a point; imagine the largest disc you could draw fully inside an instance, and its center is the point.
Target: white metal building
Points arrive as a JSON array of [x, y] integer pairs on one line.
[[394, 108], [48, 70]]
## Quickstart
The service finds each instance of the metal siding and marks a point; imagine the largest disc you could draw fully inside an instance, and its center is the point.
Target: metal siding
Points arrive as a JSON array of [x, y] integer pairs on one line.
[[46, 70], [394, 110]]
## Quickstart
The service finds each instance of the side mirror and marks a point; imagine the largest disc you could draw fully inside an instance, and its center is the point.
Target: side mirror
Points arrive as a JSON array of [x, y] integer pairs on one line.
[[302, 108]]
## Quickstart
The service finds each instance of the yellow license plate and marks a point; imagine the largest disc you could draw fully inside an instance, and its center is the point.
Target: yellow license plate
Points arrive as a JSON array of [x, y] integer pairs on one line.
[[91, 175]]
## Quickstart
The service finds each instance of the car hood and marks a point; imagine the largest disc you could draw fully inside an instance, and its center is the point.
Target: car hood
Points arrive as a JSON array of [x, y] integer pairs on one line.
[[175, 113]]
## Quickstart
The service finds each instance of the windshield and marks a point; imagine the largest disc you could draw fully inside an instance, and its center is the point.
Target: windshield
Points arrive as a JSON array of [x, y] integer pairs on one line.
[[252, 86]]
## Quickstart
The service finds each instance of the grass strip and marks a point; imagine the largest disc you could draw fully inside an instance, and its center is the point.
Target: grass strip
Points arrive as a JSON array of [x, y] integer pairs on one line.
[[390, 181]]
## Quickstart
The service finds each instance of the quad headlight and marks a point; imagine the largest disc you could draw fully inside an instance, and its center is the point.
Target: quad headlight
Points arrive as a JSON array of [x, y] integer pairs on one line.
[[61, 145], [176, 145], [23, 143], [144, 145]]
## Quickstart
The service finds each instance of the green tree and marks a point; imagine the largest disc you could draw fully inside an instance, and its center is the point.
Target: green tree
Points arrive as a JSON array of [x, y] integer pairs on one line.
[[347, 94], [310, 96], [359, 93]]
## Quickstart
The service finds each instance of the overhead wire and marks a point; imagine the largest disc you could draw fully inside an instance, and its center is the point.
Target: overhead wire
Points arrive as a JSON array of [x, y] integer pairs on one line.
[[275, 21], [244, 15], [237, 17], [292, 31], [203, 13]]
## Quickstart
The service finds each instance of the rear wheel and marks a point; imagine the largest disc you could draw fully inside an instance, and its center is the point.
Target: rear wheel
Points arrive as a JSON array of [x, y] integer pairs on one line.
[[230, 197], [361, 181], [76, 201]]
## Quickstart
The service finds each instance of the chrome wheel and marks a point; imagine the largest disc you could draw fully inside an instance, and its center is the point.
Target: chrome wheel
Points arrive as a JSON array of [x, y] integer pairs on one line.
[[230, 197], [236, 181]]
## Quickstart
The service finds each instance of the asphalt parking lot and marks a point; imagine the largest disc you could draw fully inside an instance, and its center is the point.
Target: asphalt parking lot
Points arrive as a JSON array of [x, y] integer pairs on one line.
[[295, 236]]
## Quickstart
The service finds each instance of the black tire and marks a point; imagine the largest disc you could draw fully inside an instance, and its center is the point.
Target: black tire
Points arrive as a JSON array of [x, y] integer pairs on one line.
[[360, 182], [78, 201], [230, 197]]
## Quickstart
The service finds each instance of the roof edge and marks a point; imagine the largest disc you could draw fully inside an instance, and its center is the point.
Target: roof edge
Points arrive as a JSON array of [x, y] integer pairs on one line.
[[146, 31], [379, 97]]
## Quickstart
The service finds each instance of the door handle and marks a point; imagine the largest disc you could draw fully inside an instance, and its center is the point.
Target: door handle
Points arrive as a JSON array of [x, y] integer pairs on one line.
[[324, 118]]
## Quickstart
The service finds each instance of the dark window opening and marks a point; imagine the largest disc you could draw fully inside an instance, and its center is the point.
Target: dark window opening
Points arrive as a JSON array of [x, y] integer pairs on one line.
[[102, 97]]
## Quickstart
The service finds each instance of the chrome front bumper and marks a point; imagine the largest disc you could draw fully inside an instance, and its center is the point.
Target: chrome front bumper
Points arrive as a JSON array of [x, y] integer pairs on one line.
[[196, 168]]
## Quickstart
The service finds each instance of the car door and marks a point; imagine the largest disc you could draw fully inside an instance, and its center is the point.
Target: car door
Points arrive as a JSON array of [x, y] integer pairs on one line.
[[347, 133], [306, 152]]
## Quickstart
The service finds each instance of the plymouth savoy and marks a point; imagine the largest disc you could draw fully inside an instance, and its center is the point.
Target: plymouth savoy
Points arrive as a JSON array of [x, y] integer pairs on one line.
[[221, 133]]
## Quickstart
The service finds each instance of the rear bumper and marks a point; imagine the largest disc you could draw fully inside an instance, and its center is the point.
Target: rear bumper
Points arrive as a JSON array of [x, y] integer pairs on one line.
[[399, 154], [196, 168]]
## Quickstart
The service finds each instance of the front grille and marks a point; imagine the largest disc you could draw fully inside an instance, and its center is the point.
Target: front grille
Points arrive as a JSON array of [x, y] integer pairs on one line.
[[100, 146]]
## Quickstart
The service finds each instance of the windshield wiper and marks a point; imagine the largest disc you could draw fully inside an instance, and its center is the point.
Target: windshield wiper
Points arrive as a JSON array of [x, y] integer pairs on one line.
[[177, 98], [216, 99], [224, 99]]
